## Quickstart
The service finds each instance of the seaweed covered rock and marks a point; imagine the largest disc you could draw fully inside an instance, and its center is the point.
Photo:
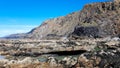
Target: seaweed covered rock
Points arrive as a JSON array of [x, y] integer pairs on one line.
[[100, 59], [68, 62]]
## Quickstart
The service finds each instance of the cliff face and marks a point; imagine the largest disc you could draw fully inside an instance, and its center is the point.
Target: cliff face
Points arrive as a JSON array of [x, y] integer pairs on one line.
[[95, 20], [103, 16]]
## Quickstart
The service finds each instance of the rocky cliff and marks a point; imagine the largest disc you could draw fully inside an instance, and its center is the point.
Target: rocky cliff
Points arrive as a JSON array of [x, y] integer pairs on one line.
[[94, 20]]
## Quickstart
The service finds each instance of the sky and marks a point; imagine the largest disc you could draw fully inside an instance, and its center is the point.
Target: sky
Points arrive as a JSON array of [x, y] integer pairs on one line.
[[20, 16]]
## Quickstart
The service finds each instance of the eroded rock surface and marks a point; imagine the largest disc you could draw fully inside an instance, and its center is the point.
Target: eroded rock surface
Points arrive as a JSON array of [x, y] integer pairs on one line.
[[100, 52]]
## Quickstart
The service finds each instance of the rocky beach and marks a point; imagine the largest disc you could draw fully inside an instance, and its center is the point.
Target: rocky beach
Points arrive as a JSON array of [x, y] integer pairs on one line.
[[60, 53], [89, 38]]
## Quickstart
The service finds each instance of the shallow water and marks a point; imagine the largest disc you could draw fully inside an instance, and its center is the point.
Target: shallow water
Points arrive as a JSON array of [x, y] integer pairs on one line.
[[2, 57]]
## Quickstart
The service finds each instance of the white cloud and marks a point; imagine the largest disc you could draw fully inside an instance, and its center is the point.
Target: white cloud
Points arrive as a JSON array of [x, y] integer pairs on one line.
[[8, 32], [13, 29]]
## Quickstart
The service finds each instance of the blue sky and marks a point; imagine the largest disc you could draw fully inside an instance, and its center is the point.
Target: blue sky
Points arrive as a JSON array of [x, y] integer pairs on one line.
[[19, 16]]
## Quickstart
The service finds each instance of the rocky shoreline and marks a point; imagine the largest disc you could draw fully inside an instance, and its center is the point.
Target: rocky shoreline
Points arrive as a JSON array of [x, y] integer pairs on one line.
[[99, 53], [89, 38]]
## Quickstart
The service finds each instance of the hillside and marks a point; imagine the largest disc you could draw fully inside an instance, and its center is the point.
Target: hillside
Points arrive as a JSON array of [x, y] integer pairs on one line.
[[94, 20]]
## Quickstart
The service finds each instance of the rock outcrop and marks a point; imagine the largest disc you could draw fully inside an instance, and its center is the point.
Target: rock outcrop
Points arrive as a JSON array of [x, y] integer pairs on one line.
[[100, 59]]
